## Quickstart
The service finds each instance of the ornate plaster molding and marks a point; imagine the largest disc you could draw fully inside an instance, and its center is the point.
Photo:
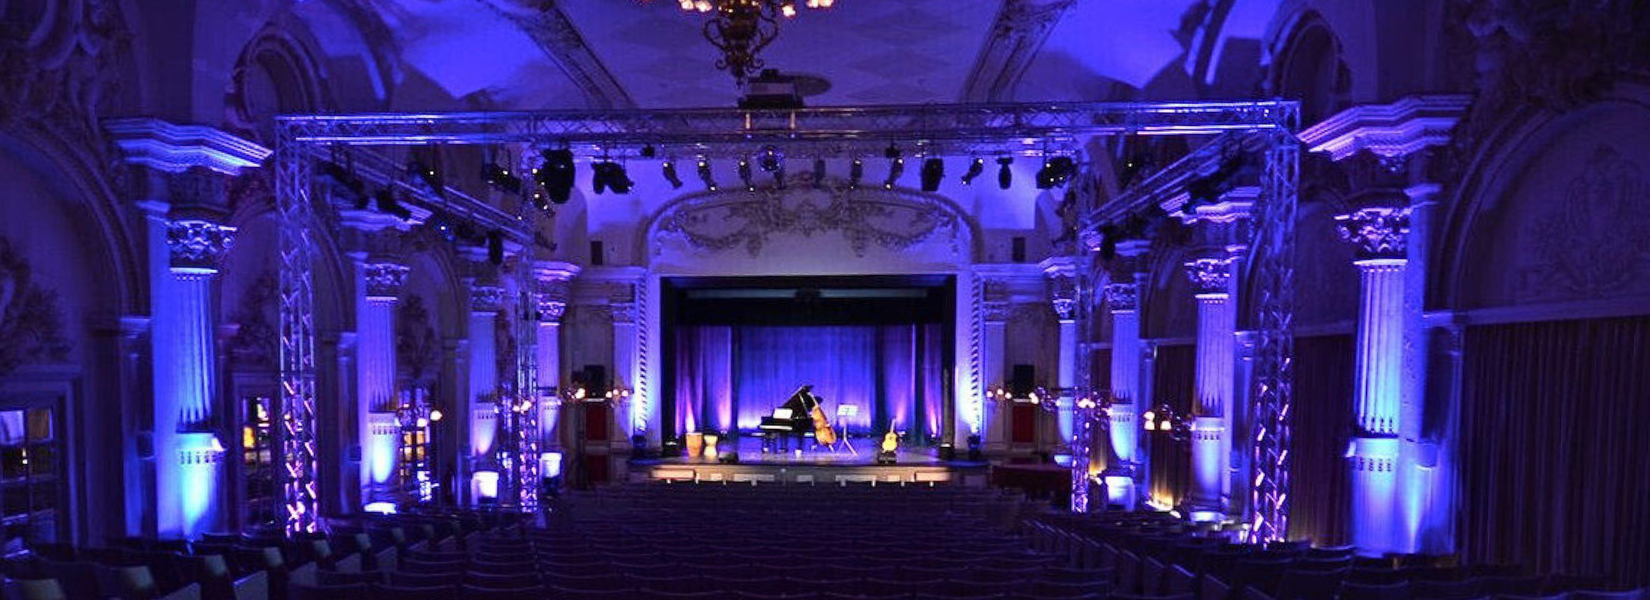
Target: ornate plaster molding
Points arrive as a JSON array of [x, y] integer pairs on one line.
[[31, 323], [173, 148], [1388, 130], [551, 309], [890, 219], [198, 245], [1018, 33], [549, 27], [1378, 232], [486, 298], [1122, 296]]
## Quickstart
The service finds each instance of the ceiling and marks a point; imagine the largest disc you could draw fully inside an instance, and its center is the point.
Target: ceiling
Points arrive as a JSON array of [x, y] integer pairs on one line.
[[539, 54]]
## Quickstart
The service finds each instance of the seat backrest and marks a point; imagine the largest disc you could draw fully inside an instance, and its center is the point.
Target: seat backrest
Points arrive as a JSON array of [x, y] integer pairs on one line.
[[39, 589]]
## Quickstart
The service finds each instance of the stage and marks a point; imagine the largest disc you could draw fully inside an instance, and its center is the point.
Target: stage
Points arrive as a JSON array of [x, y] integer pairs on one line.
[[821, 466]]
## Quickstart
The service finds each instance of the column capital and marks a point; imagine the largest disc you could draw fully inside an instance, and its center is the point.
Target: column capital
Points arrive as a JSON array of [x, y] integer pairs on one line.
[[1378, 232], [550, 307], [1210, 275], [1122, 297], [198, 245], [1065, 308], [384, 280], [486, 298]]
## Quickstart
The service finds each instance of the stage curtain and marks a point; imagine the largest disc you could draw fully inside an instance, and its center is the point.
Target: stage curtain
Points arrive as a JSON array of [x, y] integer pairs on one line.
[[931, 385], [1318, 485], [1171, 381], [770, 363], [704, 379], [896, 381], [1554, 430]]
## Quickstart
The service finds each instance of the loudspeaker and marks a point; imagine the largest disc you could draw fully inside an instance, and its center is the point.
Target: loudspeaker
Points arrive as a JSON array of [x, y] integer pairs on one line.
[[597, 253], [730, 458], [595, 381], [1023, 380], [1019, 249]]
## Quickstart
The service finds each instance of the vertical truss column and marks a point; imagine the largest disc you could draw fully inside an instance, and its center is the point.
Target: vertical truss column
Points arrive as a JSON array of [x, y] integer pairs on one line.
[[525, 328], [1274, 354], [292, 197]]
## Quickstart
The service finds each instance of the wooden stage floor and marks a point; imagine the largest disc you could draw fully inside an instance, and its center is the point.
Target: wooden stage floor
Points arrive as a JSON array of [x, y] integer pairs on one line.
[[817, 467]]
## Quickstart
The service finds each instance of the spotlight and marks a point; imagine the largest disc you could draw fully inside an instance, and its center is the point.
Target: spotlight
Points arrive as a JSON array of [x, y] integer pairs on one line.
[[819, 173], [426, 175], [933, 170], [443, 227], [745, 174], [649, 151], [891, 152], [896, 168], [557, 175], [1056, 172], [975, 168], [704, 175], [609, 175], [499, 178], [1005, 177], [771, 159], [669, 169], [856, 171]]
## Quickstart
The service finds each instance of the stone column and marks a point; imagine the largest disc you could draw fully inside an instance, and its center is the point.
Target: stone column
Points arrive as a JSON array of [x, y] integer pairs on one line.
[[1378, 381], [379, 291], [995, 307], [625, 417], [185, 324], [485, 303], [1122, 299], [1212, 405], [551, 299], [1062, 275]]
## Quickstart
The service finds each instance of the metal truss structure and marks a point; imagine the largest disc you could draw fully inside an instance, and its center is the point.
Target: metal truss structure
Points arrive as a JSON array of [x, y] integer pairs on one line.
[[1023, 129], [1274, 265]]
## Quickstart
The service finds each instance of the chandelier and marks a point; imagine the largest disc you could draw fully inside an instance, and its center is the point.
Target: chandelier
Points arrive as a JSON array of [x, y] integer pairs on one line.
[[742, 28]]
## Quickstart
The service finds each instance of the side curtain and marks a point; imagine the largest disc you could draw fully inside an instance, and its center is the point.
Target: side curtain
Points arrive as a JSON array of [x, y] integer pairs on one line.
[[1318, 486], [1555, 426], [1171, 468]]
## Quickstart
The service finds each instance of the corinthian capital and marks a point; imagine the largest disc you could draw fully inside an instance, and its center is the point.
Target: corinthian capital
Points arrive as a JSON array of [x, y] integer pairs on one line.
[[198, 244], [384, 280], [1122, 296], [1379, 232], [486, 298], [1210, 275]]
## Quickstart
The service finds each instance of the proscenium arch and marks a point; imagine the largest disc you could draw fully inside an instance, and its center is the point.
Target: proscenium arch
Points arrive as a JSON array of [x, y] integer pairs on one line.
[[648, 229]]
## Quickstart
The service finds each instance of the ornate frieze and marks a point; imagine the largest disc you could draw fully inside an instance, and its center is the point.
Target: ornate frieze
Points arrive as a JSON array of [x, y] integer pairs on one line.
[[1378, 232], [196, 244], [385, 280], [889, 219], [486, 298], [550, 307], [1122, 296], [1210, 275]]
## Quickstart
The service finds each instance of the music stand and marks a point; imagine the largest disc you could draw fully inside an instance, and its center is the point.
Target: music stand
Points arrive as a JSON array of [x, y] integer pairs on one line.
[[846, 410]]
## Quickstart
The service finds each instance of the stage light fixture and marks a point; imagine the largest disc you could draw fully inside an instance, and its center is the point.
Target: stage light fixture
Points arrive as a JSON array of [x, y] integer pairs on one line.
[[705, 175], [1005, 177], [1056, 172], [390, 205], [1045, 175], [745, 175], [499, 178], [649, 151], [891, 152], [856, 172], [426, 176], [669, 169], [896, 167], [771, 159], [819, 173], [609, 175], [598, 177], [975, 168], [557, 175], [495, 247], [933, 170]]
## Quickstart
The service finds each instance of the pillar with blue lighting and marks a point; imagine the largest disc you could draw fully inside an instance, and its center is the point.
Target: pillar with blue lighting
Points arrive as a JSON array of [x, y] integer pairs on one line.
[[1122, 299], [1216, 328], [1379, 233], [550, 298], [380, 432], [485, 303], [1062, 273], [192, 446]]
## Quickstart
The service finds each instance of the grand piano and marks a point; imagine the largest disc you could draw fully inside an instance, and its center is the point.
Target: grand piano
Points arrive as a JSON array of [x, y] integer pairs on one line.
[[794, 418]]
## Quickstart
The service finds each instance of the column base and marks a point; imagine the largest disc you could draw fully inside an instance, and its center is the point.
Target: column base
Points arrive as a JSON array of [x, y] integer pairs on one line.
[[200, 470]]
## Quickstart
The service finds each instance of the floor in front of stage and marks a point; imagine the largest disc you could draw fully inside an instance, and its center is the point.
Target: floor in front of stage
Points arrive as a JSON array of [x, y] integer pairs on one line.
[[815, 465]]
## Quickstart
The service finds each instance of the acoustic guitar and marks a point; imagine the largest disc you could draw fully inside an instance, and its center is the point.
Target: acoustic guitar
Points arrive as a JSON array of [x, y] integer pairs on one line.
[[890, 442]]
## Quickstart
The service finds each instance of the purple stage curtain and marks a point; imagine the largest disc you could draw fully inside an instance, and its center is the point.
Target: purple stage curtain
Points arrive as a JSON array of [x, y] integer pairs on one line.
[[1171, 468], [728, 378], [704, 379], [1319, 509], [1555, 425]]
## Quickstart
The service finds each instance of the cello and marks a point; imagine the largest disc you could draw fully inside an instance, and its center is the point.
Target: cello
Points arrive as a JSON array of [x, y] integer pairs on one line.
[[822, 427]]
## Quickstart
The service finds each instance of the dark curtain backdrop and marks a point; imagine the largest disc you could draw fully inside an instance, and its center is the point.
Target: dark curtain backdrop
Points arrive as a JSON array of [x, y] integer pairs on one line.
[[1318, 485], [1555, 425], [1171, 469], [728, 378]]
